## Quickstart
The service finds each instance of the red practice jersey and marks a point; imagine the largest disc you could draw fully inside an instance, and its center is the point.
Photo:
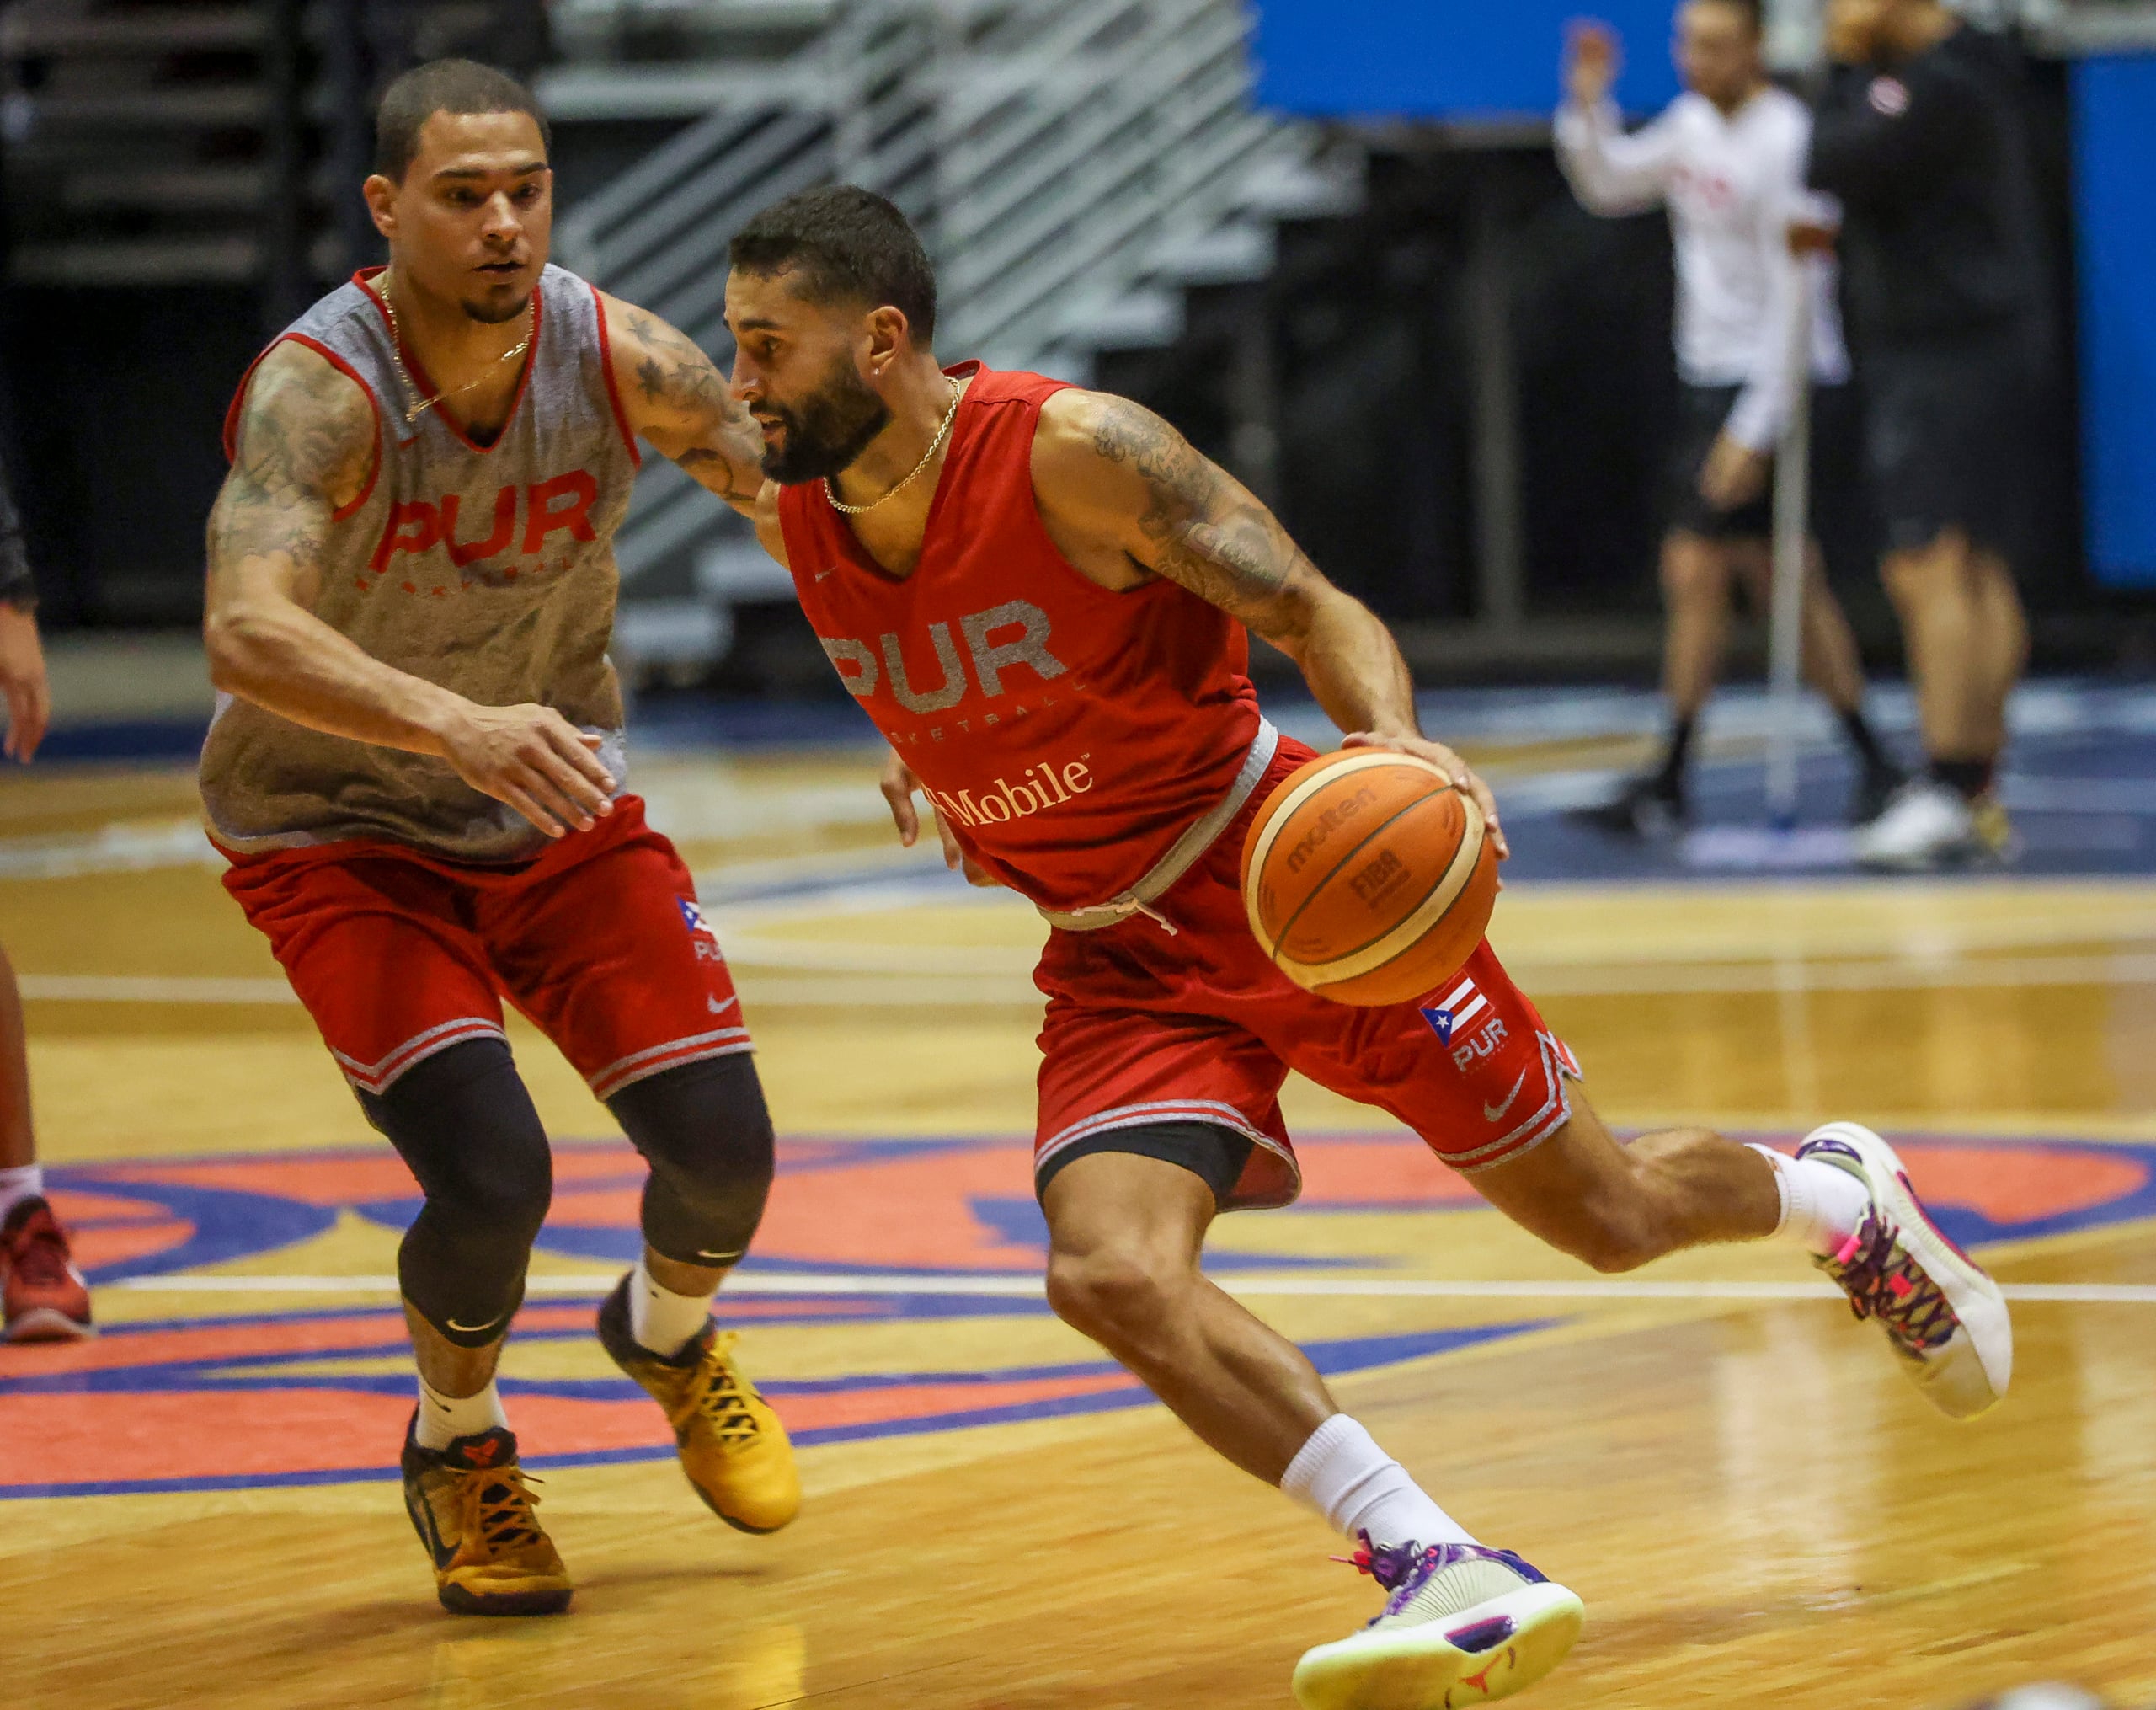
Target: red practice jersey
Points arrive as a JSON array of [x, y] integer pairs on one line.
[[1068, 733]]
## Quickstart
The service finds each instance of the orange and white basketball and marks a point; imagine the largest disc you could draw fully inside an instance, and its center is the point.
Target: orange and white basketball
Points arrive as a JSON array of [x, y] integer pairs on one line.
[[1367, 879]]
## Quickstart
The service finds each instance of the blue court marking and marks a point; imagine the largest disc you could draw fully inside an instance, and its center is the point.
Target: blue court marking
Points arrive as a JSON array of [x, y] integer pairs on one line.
[[228, 1223], [1331, 1358]]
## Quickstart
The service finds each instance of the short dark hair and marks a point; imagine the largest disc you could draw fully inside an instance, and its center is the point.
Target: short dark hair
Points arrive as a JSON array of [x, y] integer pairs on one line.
[[1755, 13], [849, 245], [443, 86]]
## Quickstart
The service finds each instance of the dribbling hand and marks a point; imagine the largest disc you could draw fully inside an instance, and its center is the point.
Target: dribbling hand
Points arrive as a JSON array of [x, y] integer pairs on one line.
[[1459, 771], [535, 759], [899, 787]]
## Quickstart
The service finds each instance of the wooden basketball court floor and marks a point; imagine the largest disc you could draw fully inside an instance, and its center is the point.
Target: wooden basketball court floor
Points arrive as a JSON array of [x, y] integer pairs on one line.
[[1756, 1508]]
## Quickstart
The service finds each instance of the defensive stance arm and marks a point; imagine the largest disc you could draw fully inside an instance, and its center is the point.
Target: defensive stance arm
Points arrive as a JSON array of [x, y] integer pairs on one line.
[[676, 398], [1111, 474], [306, 445]]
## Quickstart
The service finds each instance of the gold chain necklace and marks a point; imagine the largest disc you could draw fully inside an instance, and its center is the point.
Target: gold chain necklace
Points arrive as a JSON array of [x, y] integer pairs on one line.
[[927, 457], [421, 402]]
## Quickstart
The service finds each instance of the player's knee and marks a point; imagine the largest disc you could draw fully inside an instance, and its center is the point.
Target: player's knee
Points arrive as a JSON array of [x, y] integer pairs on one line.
[[706, 1133], [1615, 1243], [1117, 1294], [466, 1127], [1694, 573]]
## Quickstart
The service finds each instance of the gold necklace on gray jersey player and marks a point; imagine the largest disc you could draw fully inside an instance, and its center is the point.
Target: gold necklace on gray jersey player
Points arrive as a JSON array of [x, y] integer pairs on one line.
[[421, 402]]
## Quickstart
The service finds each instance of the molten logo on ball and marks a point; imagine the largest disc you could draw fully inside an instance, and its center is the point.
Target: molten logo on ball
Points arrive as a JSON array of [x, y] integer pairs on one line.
[[1403, 895]]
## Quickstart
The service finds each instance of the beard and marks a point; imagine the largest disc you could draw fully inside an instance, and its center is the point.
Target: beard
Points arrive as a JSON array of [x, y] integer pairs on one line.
[[494, 315], [830, 429]]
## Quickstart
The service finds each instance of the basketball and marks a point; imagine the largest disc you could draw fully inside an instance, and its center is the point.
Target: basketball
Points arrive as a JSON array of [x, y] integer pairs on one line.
[[1367, 879]]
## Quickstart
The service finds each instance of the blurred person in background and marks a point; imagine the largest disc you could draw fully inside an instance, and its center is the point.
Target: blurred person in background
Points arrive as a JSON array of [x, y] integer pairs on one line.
[[1919, 137], [1726, 159], [42, 1296]]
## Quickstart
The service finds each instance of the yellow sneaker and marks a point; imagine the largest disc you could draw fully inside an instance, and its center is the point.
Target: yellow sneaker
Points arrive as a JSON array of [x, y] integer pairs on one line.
[[1995, 827], [471, 1507], [732, 1446]]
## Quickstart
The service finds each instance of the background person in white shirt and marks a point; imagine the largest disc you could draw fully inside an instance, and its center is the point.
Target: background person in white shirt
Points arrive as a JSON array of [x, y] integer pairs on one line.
[[1727, 160]]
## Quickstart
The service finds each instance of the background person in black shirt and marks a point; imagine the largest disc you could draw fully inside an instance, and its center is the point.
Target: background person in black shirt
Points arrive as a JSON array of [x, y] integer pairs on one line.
[[42, 1298], [1920, 136]]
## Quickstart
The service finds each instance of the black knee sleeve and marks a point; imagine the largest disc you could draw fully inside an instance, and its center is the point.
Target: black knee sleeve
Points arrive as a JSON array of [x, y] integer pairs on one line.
[[463, 1123], [706, 1133]]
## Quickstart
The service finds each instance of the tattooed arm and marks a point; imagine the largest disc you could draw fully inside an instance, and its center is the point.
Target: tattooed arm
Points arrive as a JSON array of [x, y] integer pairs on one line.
[[1127, 499], [307, 442], [676, 398]]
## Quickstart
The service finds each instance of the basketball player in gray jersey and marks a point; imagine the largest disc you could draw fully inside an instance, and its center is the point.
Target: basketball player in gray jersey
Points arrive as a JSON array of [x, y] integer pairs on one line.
[[416, 774]]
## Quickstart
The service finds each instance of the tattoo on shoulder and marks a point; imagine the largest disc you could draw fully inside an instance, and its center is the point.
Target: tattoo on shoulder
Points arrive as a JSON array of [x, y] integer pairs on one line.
[[307, 439], [1204, 531], [675, 377]]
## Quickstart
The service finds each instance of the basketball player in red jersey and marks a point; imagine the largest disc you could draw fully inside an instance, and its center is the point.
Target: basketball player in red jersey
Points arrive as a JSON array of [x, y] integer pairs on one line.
[[416, 770], [1039, 595]]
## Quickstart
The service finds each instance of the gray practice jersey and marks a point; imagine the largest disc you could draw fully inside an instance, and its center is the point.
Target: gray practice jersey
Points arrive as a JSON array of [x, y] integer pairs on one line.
[[488, 570]]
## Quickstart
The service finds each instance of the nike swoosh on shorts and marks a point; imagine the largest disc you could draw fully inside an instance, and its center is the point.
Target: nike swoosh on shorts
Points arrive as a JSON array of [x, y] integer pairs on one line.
[[1496, 1113]]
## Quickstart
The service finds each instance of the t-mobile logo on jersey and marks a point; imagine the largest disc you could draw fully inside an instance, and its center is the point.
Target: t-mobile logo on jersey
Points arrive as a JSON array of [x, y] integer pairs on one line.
[[1039, 787], [989, 645]]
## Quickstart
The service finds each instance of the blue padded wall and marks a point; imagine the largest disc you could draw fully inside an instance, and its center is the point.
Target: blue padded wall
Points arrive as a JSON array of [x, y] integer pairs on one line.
[[2115, 221], [1456, 60]]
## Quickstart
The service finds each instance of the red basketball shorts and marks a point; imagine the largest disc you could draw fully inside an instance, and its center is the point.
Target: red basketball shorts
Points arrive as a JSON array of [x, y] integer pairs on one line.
[[1144, 1027], [398, 954]]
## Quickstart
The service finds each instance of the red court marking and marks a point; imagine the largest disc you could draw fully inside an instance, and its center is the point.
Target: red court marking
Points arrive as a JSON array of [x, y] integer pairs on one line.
[[909, 1212], [2020, 1184], [596, 1208], [83, 1439], [125, 1227], [313, 1181]]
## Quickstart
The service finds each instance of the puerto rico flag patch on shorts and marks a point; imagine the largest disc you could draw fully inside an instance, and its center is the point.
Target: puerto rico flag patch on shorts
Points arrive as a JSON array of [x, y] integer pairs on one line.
[[692, 917], [1459, 1007]]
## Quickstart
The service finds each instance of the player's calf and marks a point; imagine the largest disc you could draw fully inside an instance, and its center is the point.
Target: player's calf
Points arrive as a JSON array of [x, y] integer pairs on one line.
[[1616, 1207]]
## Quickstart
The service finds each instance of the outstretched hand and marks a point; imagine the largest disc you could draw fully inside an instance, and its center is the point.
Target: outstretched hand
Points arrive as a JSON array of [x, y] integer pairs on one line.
[[1593, 56], [899, 786], [1463, 776]]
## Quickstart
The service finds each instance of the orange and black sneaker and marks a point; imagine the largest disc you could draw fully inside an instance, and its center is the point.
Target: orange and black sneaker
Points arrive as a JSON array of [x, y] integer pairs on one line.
[[732, 1447], [471, 1508], [43, 1297]]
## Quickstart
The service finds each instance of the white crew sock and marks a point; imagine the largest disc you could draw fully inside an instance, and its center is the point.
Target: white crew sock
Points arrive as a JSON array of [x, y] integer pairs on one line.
[[24, 1182], [443, 1418], [661, 1319], [1822, 1206], [1359, 1488]]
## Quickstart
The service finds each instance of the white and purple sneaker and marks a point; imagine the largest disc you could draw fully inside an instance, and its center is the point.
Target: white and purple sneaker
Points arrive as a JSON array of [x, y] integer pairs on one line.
[[1462, 1625], [1945, 1318]]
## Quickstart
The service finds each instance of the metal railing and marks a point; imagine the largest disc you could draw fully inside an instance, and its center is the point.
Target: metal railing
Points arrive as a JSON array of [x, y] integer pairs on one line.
[[1052, 152]]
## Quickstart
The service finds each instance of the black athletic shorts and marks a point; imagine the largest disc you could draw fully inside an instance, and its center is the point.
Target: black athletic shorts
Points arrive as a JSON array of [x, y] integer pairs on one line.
[[1702, 412], [1213, 1154], [1944, 446]]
